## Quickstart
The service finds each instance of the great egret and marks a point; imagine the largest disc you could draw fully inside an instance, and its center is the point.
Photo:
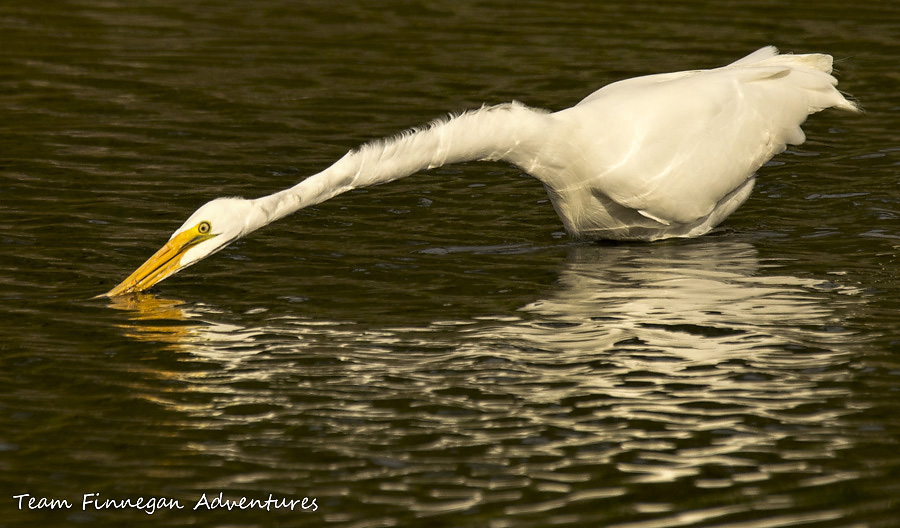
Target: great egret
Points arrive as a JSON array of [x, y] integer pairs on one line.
[[667, 155]]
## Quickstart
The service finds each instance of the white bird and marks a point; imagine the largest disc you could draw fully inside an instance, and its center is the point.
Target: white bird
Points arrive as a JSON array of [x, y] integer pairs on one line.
[[660, 156]]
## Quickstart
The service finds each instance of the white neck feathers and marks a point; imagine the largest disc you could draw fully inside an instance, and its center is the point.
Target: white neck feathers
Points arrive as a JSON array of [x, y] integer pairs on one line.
[[504, 132]]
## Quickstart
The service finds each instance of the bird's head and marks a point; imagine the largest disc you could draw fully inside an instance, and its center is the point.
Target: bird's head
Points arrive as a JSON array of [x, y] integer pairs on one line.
[[211, 228]]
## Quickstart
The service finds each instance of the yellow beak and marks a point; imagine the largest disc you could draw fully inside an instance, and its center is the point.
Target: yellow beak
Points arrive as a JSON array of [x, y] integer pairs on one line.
[[162, 264]]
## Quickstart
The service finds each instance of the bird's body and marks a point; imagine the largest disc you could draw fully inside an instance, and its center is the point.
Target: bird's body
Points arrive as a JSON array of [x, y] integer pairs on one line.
[[660, 156]]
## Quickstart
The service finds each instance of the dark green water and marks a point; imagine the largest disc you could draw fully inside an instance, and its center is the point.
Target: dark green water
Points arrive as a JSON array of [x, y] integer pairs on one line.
[[433, 352]]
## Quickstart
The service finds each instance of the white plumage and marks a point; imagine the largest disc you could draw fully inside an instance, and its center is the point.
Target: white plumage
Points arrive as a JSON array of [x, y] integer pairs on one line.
[[660, 156]]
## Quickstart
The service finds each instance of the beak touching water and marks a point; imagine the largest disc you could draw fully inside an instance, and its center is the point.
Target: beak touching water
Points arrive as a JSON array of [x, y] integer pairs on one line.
[[163, 263]]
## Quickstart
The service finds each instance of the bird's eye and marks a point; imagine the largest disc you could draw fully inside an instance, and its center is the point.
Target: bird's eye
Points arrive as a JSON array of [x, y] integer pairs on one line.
[[204, 228]]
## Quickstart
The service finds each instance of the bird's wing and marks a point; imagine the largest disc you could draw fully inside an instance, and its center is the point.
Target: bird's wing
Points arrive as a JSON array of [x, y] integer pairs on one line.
[[671, 146]]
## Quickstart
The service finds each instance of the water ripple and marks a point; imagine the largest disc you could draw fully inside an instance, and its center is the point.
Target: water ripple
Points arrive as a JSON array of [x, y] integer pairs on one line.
[[642, 372], [434, 352]]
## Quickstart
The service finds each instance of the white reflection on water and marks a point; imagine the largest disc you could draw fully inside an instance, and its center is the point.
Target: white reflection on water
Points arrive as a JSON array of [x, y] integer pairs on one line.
[[698, 300]]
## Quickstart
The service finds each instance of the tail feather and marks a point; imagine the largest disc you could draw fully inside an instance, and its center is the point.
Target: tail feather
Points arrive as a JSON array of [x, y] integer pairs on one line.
[[769, 56], [759, 55], [811, 71]]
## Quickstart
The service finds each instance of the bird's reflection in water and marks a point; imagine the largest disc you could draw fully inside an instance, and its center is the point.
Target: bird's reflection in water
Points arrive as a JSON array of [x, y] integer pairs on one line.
[[183, 327], [702, 299], [154, 318]]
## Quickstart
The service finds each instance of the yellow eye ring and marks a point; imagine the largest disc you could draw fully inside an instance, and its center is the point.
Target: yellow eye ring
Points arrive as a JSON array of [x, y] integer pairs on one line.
[[204, 228]]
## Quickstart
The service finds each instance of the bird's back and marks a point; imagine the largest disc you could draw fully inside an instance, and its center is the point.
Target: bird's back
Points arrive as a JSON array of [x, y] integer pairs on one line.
[[673, 154]]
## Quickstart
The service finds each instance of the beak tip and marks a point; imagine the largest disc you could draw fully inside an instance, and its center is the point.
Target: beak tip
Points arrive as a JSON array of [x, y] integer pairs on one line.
[[123, 288]]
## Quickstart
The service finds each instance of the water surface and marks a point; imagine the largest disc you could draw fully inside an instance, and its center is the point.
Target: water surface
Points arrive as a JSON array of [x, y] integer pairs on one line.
[[433, 352]]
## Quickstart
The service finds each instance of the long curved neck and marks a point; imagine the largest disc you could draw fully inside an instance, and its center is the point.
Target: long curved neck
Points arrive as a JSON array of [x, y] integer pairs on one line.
[[509, 132]]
